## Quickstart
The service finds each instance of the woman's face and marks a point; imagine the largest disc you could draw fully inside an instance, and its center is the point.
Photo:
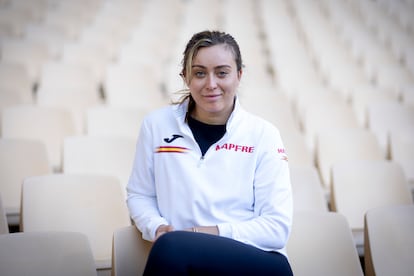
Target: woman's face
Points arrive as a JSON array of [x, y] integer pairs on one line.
[[213, 84]]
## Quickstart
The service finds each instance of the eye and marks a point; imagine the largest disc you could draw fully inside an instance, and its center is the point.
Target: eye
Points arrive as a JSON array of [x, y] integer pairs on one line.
[[222, 74], [199, 74]]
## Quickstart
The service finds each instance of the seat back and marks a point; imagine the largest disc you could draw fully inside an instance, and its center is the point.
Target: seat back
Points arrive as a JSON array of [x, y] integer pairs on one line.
[[322, 244], [402, 151], [365, 184], [100, 155], [49, 125], [343, 144], [129, 252], [89, 204], [4, 228], [387, 118], [19, 158], [308, 194], [389, 240], [46, 254], [114, 121], [132, 86]]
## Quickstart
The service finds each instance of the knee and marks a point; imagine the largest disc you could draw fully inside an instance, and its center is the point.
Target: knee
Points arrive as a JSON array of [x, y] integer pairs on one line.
[[166, 256], [169, 243]]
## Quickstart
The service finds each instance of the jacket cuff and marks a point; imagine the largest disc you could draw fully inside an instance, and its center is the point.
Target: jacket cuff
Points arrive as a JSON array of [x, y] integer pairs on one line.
[[225, 230], [152, 228]]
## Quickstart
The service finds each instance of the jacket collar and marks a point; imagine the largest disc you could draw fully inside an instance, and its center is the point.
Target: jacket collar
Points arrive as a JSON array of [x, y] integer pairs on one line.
[[180, 111]]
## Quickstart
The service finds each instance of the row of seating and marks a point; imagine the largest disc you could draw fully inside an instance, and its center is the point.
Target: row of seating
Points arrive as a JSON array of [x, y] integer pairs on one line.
[[90, 204], [356, 186], [389, 137], [330, 251]]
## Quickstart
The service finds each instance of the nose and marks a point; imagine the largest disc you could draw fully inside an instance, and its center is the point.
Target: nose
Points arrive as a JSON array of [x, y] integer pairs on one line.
[[211, 82]]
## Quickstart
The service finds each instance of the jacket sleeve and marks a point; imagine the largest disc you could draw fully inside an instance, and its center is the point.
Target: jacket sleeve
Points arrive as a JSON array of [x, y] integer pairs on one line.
[[271, 225], [141, 195]]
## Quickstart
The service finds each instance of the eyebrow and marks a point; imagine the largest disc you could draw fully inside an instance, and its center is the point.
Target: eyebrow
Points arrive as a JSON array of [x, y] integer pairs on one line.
[[217, 67]]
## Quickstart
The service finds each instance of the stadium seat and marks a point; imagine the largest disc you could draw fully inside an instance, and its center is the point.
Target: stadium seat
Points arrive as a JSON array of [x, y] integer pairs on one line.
[[19, 159], [106, 155], [321, 244], [54, 37], [358, 186], [129, 252], [92, 56], [132, 86], [273, 106], [407, 95], [46, 254], [4, 227], [344, 144], [71, 87], [15, 77], [402, 151], [389, 240], [15, 87], [85, 203], [12, 23], [386, 118], [57, 74], [29, 54], [364, 95], [49, 125], [106, 120], [324, 115], [74, 100], [393, 78], [297, 150], [308, 194]]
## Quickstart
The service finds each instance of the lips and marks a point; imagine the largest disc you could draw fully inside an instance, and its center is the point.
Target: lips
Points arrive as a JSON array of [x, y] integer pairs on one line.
[[212, 96]]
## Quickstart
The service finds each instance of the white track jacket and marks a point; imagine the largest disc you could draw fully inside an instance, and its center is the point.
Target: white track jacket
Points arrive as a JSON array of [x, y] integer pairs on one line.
[[241, 184]]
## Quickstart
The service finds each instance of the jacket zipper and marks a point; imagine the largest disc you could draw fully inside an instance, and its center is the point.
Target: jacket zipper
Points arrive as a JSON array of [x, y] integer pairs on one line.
[[200, 161]]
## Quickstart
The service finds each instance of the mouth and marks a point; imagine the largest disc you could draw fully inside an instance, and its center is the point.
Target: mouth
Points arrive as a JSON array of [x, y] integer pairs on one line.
[[212, 96]]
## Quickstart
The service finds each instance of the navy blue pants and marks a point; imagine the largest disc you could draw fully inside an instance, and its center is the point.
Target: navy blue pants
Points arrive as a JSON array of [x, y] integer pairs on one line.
[[188, 253]]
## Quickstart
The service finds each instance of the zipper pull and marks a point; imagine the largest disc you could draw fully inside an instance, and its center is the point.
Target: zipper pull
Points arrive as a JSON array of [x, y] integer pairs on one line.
[[200, 161]]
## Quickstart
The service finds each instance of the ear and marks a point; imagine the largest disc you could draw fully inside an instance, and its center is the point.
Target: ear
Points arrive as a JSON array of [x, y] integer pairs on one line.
[[182, 75], [239, 74]]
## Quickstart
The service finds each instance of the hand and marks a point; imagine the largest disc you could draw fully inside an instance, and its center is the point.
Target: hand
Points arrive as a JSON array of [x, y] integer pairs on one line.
[[162, 229]]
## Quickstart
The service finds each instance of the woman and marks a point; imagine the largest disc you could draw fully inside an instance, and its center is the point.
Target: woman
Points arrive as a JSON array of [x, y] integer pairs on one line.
[[210, 182]]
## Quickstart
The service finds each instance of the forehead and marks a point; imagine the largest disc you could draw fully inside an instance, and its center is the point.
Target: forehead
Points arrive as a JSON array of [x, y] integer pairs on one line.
[[220, 54]]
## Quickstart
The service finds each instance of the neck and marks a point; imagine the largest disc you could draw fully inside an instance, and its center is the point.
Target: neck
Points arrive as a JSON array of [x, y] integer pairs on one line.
[[212, 118], [216, 118]]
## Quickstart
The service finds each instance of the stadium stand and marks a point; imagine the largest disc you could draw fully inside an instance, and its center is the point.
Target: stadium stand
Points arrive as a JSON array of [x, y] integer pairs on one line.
[[311, 67]]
